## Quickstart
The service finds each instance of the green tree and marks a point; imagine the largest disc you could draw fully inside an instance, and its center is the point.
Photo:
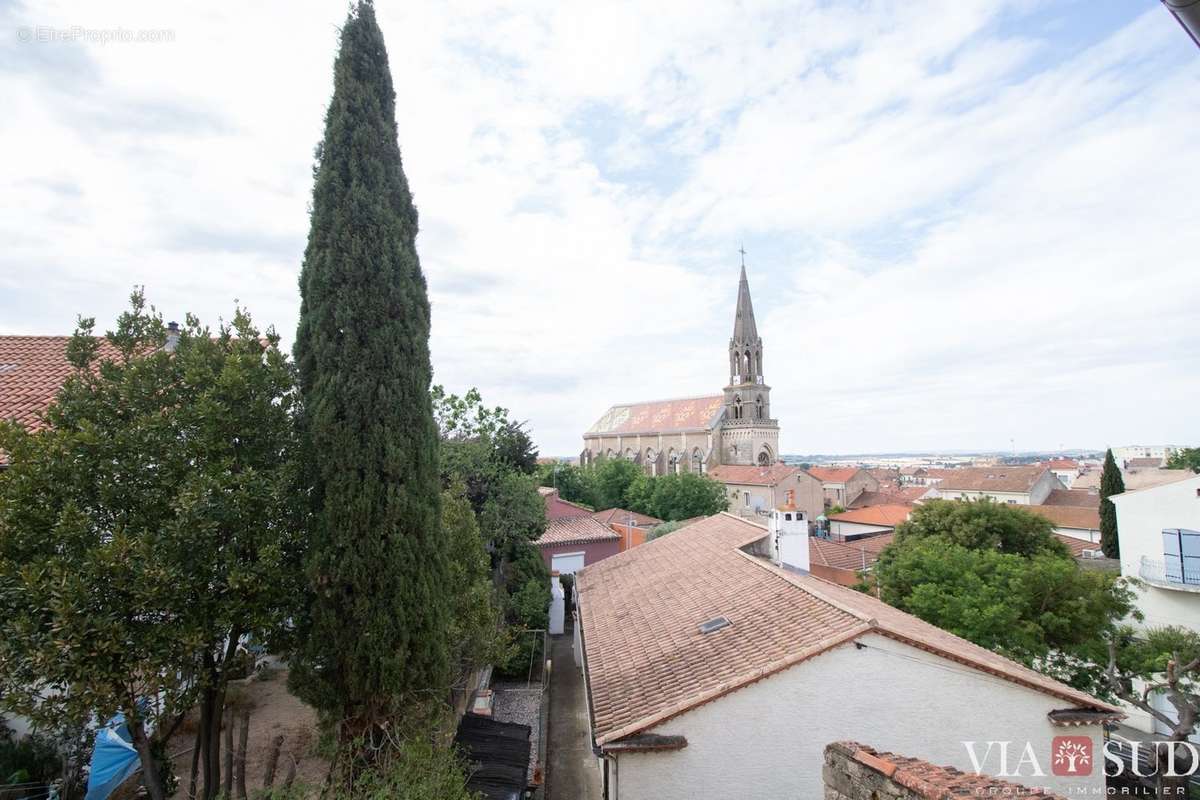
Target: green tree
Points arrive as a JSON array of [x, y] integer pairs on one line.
[[983, 525], [147, 529], [513, 514], [418, 769], [574, 483], [1160, 662], [1185, 458], [475, 635], [613, 478], [374, 641], [1111, 483], [995, 575], [678, 497]]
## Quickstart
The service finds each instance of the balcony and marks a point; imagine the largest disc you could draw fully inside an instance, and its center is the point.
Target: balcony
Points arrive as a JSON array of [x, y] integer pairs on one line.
[[1158, 574]]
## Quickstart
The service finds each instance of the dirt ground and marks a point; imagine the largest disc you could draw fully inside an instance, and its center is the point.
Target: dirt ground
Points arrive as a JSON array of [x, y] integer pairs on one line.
[[273, 711]]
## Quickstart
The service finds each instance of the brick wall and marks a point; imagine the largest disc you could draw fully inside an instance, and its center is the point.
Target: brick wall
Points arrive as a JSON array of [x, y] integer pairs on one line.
[[856, 772]]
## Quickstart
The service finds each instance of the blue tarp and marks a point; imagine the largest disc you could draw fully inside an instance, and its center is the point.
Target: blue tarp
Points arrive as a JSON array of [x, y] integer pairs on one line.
[[113, 759]]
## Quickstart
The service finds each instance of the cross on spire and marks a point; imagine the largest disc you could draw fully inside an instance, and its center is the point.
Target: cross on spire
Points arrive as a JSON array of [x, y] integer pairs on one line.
[[742, 250]]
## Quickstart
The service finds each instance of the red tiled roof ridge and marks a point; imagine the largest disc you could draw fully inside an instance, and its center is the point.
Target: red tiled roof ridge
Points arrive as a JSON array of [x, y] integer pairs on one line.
[[574, 530]]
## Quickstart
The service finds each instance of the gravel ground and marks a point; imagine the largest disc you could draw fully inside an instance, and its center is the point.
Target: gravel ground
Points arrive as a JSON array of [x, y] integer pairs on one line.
[[516, 703]]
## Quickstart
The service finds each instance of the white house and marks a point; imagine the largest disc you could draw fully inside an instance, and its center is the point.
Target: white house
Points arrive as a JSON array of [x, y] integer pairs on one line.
[[1159, 533], [716, 666], [868, 521], [1026, 486]]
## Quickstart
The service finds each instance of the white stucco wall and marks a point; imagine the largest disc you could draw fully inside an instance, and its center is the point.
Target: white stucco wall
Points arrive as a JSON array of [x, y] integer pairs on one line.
[[1141, 517], [766, 740], [840, 530]]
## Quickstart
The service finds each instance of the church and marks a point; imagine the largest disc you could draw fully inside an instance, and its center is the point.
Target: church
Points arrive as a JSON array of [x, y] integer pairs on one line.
[[696, 434]]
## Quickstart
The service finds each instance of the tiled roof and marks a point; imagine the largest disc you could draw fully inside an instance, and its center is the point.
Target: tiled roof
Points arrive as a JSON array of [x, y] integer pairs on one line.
[[622, 517], [1076, 545], [647, 661], [32, 368], [833, 474], [854, 555], [1081, 498], [891, 515], [661, 416], [1143, 463], [1069, 516], [575, 530], [749, 475], [995, 479], [557, 508], [1062, 463], [931, 782], [1136, 480]]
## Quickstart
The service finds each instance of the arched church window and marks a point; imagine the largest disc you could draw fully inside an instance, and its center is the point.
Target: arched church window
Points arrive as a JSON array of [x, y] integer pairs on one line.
[[758, 407], [737, 406], [764, 459], [748, 372], [697, 461]]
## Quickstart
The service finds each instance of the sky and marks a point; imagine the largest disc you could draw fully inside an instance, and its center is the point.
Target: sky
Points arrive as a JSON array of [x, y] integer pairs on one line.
[[968, 224]]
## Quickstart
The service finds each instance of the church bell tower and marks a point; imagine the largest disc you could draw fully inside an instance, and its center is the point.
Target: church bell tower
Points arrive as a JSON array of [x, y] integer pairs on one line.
[[748, 433]]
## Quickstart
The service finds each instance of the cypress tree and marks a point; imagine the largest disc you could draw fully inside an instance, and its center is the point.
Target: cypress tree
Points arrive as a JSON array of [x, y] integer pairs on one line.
[[1110, 483], [374, 640]]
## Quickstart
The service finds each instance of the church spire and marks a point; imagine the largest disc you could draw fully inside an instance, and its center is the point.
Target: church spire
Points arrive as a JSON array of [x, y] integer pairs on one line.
[[745, 331], [745, 348]]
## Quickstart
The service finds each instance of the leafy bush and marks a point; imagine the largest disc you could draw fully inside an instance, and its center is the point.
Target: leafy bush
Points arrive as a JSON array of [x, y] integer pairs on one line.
[[29, 759], [416, 770]]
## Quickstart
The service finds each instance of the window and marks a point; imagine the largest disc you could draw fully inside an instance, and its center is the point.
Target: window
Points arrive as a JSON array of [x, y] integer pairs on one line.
[[746, 498], [1181, 556]]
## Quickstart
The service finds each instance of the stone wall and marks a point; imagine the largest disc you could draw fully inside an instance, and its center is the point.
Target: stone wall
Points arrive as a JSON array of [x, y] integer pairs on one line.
[[856, 772]]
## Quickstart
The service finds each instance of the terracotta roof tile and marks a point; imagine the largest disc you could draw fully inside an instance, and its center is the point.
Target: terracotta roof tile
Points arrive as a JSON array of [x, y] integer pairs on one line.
[[660, 416], [750, 475], [855, 555], [647, 660], [891, 515], [575, 530], [32, 368], [1069, 516], [622, 517], [996, 479], [890, 496], [1082, 498], [1076, 546], [833, 474], [932, 782]]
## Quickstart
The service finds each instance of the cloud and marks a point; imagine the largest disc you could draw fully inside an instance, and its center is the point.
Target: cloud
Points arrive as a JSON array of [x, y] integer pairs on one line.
[[968, 222]]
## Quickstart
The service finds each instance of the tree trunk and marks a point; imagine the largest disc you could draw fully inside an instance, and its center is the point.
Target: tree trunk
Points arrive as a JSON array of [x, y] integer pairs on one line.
[[211, 708], [243, 735], [150, 776], [273, 762], [1174, 787], [291, 773], [228, 776], [191, 793]]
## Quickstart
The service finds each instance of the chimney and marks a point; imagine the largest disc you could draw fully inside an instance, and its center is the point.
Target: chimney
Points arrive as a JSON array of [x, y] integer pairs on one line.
[[788, 529], [172, 337]]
